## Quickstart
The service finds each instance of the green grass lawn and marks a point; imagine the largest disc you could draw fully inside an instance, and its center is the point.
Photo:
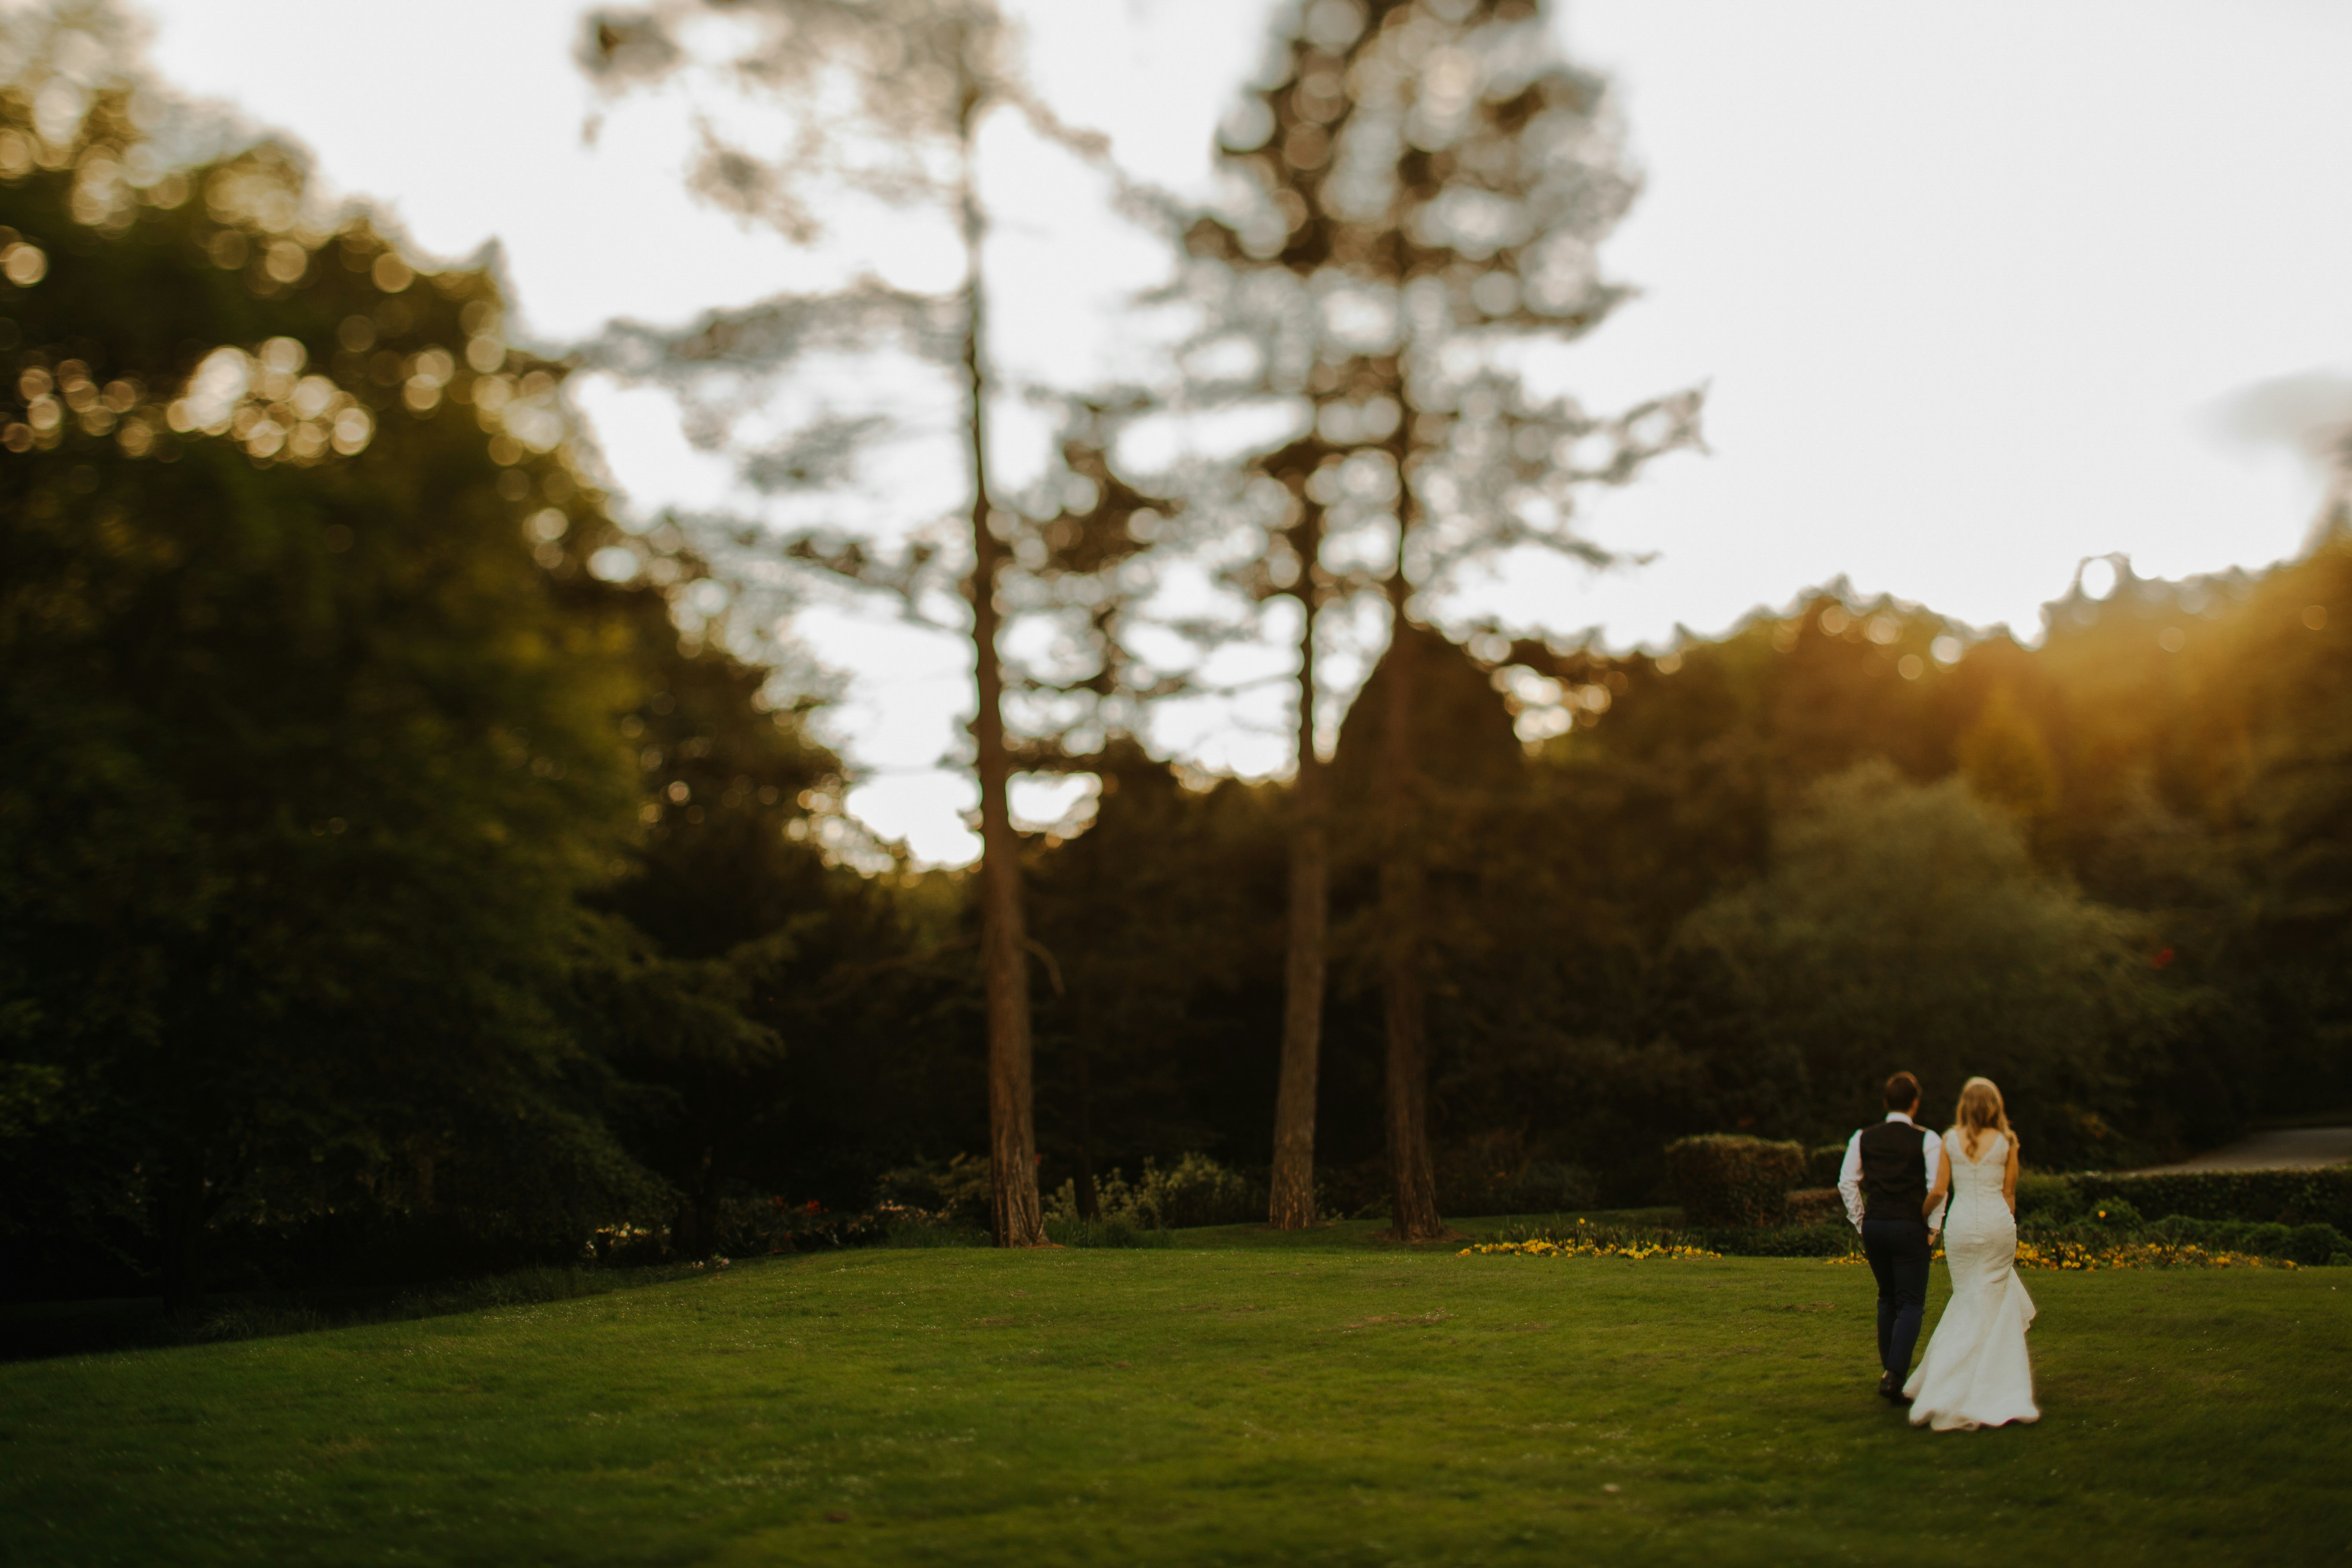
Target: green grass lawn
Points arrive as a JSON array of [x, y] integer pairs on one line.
[[1226, 1400]]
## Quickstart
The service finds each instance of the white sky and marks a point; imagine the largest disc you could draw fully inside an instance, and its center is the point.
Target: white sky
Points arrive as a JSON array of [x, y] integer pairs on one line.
[[1971, 284]]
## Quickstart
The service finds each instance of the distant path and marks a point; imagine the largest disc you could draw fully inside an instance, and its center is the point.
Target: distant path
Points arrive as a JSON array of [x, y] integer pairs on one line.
[[2281, 1149]]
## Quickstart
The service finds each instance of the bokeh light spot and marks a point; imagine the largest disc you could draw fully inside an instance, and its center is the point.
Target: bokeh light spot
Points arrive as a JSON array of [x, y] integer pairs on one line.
[[24, 265]]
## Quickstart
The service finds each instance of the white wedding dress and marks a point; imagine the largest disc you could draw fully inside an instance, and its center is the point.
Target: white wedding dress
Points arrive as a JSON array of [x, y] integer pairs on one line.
[[1975, 1372]]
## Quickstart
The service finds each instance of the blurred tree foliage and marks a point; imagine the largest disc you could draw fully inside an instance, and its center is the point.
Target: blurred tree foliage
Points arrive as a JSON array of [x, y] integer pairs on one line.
[[1756, 874], [317, 753], [1907, 922], [378, 879]]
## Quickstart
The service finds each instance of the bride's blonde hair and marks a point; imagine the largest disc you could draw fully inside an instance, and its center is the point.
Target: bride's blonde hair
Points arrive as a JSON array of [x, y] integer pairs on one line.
[[1980, 1111]]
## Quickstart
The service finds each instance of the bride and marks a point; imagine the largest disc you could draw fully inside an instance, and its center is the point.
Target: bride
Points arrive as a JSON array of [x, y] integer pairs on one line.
[[1975, 1372]]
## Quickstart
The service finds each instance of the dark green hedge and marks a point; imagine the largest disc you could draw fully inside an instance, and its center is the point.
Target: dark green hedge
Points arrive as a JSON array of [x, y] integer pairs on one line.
[[1823, 1163], [1726, 1180], [1783, 1241], [2262, 1198], [2311, 1244], [1818, 1205]]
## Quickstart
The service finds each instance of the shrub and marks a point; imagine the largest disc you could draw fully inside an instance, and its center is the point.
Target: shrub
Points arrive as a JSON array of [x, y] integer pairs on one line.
[[1198, 1191], [1119, 1232], [1818, 1205], [2233, 1200], [2308, 1244], [2046, 1198], [2283, 1197], [1112, 1196], [2110, 1253], [929, 1232], [1783, 1240], [962, 1190], [1722, 1179], [749, 1228], [1823, 1163], [1195, 1191], [1360, 1190]]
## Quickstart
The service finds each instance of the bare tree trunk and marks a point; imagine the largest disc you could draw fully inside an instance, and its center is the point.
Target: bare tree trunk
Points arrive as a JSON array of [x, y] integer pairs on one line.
[[1017, 1218], [1293, 1204], [1403, 986]]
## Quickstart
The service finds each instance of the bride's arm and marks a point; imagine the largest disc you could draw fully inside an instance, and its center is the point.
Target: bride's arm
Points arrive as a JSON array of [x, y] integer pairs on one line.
[[1936, 1190], [2008, 1178]]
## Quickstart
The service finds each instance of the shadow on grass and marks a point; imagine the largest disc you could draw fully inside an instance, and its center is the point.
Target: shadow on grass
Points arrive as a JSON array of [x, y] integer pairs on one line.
[[32, 1331], [36, 1331]]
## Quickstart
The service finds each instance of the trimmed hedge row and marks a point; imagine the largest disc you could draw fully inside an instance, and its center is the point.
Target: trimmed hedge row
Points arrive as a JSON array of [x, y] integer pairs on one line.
[[1783, 1241], [1730, 1183], [1818, 1205], [1734, 1183], [2268, 1197], [2310, 1245], [2290, 1198]]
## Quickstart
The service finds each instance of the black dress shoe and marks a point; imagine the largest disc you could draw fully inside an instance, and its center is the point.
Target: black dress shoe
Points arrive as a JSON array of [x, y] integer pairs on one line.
[[1889, 1392]]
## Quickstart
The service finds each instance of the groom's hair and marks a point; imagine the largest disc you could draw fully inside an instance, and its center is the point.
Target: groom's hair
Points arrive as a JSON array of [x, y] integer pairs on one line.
[[1902, 1092]]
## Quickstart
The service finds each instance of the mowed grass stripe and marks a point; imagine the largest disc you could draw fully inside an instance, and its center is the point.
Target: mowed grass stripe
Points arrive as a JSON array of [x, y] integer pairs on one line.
[[1246, 1404]]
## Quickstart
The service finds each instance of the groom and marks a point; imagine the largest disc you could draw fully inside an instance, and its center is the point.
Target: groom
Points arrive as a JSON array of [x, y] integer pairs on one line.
[[1889, 1169]]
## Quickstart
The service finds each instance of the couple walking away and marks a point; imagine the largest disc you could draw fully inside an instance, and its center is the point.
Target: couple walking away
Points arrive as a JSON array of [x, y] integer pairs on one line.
[[1897, 1182]]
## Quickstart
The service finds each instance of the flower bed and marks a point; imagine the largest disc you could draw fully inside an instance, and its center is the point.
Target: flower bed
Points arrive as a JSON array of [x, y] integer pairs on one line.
[[2080, 1257], [2275, 1197], [1585, 1239], [1577, 1246], [2075, 1254]]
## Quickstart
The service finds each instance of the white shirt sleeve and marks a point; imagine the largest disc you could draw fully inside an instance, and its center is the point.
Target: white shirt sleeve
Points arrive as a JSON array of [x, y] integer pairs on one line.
[[1849, 1180], [1935, 1164]]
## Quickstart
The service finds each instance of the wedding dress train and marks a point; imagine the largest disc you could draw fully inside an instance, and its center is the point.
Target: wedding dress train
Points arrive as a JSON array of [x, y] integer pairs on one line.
[[1975, 1372]]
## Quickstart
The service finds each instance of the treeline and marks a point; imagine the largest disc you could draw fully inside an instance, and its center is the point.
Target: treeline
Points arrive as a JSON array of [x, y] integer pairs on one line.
[[402, 877], [2111, 872], [382, 892]]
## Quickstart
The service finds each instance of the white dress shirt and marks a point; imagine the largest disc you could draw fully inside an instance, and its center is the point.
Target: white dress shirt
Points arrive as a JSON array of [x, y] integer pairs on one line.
[[1850, 1177]]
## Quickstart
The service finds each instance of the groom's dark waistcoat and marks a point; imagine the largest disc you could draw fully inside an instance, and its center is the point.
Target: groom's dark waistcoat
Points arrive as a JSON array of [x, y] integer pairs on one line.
[[1894, 1172]]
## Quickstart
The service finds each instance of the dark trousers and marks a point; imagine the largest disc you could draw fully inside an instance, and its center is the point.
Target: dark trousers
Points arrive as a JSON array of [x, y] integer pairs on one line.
[[1897, 1250]]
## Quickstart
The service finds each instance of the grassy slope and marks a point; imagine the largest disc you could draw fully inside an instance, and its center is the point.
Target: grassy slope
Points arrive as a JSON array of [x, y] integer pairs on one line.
[[1316, 1402]]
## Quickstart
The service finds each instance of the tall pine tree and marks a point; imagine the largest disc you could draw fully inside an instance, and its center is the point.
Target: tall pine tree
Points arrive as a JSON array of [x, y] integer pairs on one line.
[[1420, 189], [886, 101]]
